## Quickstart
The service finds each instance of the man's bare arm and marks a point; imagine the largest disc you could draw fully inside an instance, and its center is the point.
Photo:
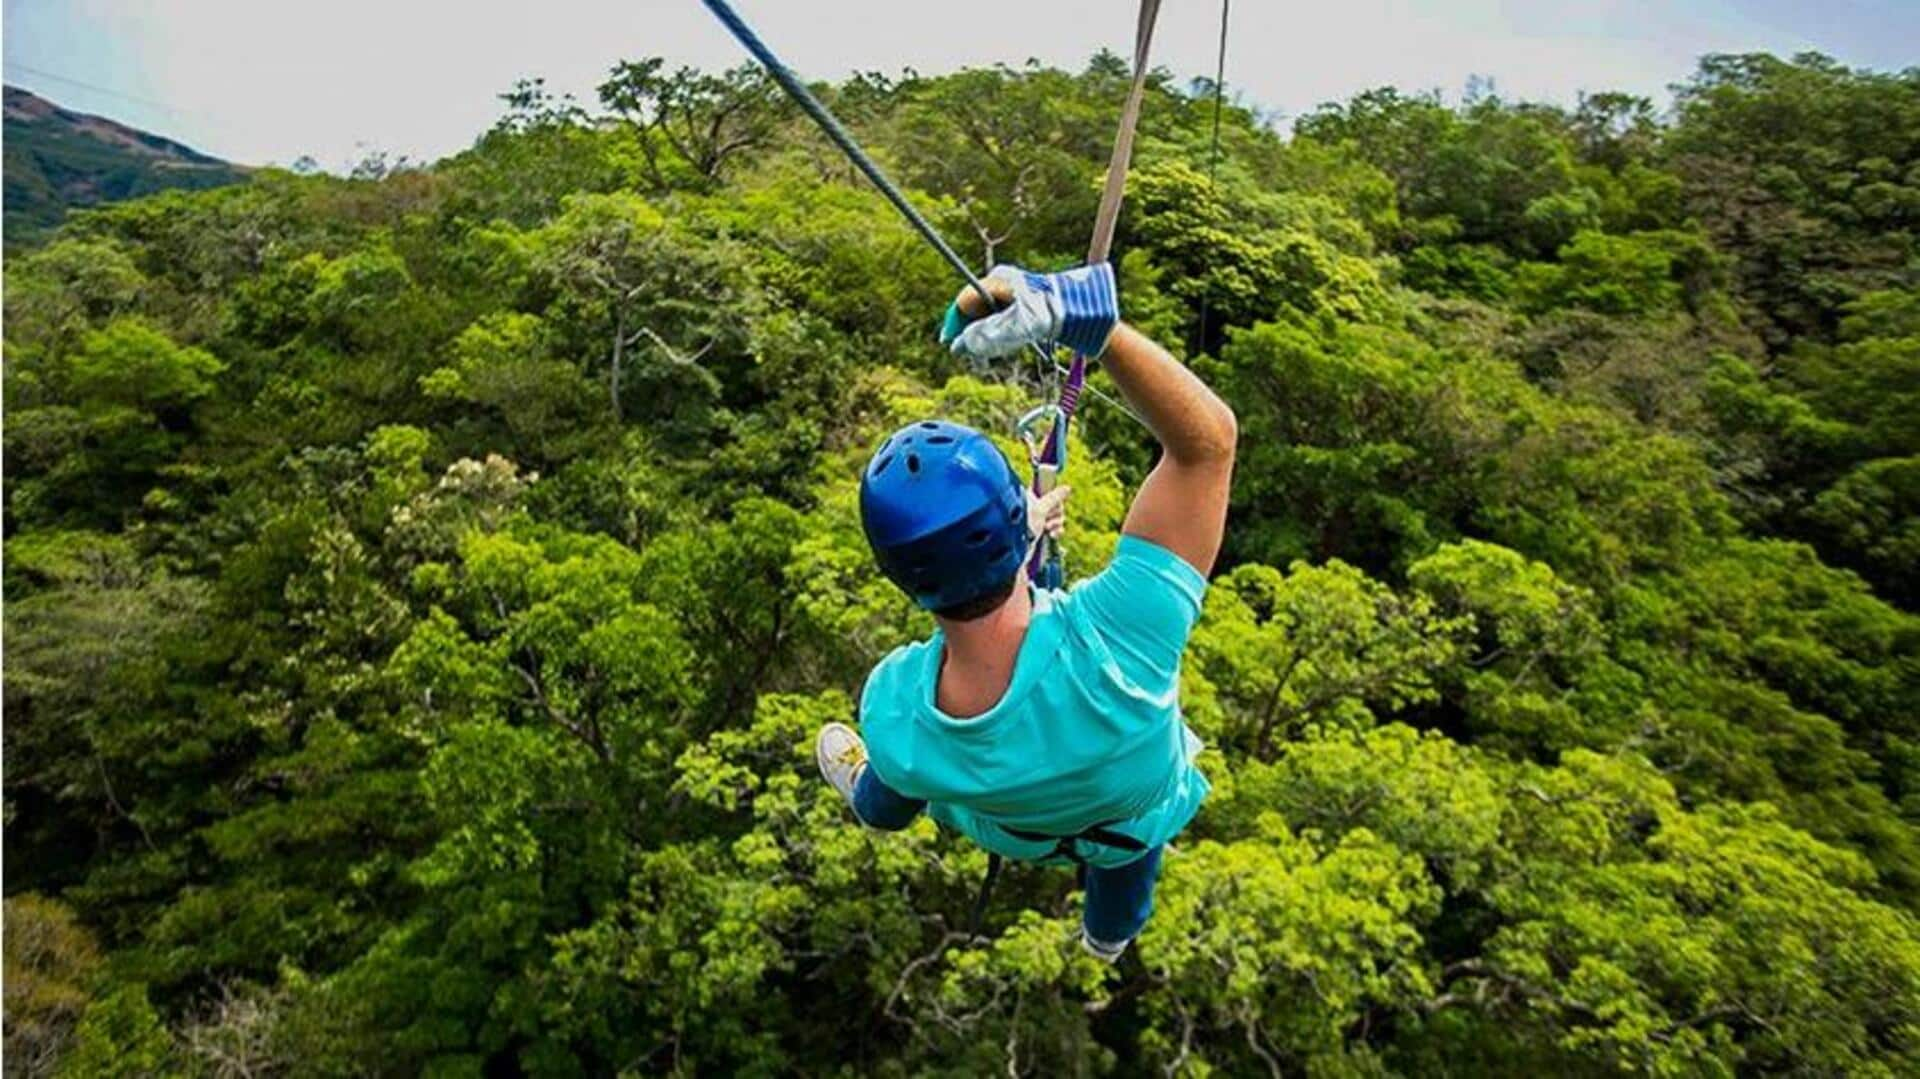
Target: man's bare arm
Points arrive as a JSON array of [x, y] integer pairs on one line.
[[1182, 506]]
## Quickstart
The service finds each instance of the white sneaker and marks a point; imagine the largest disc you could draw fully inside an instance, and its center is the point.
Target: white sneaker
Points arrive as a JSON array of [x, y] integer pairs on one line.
[[1101, 950], [841, 756]]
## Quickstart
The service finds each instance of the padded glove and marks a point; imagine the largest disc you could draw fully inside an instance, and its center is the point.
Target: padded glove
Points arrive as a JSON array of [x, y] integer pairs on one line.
[[1077, 308]]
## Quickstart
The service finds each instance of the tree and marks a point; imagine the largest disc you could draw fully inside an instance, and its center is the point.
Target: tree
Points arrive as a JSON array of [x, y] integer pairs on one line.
[[52, 963], [55, 293], [1318, 647], [705, 120], [502, 363], [1801, 170], [1249, 255], [1615, 130], [121, 1033], [1534, 637], [116, 409], [1017, 150], [1872, 517], [634, 283], [1272, 947], [541, 150]]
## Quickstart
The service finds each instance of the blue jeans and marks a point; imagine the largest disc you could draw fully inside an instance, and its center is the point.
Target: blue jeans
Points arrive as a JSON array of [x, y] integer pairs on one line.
[[1119, 900]]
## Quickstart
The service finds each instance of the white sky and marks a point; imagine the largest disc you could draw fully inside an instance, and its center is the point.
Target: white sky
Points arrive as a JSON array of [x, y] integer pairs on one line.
[[265, 81]]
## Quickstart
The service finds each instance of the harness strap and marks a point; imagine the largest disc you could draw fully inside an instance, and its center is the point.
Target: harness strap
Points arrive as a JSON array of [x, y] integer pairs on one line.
[[1101, 833], [1045, 568], [1109, 215], [1063, 847], [994, 862]]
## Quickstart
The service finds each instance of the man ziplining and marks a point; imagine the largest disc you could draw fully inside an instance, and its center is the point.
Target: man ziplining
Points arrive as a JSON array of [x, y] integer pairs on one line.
[[1044, 724]]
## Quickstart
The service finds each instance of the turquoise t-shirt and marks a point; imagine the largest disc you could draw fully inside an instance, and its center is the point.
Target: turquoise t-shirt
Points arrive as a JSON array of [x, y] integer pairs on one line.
[[1088, 732]]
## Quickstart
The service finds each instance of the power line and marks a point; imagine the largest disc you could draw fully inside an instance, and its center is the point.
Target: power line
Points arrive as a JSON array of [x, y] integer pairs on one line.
[[1213, 156], [12, 66]]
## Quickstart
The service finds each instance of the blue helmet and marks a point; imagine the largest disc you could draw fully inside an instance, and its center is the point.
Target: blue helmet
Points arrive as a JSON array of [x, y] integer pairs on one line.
[[944, 512]]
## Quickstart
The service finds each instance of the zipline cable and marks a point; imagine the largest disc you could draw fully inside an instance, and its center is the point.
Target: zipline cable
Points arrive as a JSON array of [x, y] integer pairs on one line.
[[811, 105], [12, 66], [1061, 369], [818, 112], [1213, 152]]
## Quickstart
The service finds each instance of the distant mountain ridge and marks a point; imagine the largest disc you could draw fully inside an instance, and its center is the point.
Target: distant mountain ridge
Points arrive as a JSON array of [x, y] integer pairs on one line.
[[57, 159]]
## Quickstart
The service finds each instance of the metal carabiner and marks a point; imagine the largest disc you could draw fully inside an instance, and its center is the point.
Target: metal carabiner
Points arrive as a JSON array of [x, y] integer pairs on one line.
[[1028, 430]]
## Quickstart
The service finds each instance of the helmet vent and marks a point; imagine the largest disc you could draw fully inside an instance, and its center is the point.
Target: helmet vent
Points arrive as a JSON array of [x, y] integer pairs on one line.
[[978, 538], [930, 425], [881, 465], [913, 463], [940, 440]]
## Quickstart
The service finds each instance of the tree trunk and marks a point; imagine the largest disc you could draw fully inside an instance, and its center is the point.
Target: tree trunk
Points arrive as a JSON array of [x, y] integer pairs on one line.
[[613, 372]]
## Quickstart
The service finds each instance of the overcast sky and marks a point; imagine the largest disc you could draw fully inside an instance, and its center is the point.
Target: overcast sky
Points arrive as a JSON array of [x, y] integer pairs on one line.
[[265, 81]]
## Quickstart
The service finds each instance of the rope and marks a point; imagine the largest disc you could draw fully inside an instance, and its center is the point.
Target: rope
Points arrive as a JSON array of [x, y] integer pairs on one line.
[[1213, 152], [1045, 567], [12, 66], [1116, 187]]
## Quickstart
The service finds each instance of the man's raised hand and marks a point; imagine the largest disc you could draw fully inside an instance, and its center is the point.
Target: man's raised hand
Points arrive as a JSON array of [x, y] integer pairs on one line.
[[1076, 308], [1047, 514]]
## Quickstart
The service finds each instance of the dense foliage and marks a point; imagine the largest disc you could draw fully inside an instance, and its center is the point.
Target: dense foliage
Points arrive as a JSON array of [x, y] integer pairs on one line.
[[422, 591]]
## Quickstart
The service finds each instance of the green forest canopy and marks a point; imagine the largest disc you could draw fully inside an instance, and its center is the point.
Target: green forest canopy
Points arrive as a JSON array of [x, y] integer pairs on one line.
[[422, 590]]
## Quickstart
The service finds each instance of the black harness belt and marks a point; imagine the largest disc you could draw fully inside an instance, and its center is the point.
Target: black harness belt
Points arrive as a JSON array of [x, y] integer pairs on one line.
[[1101, 833]]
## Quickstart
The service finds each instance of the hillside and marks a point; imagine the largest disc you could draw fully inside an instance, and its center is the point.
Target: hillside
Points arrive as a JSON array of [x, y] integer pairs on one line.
[[57, 159]]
